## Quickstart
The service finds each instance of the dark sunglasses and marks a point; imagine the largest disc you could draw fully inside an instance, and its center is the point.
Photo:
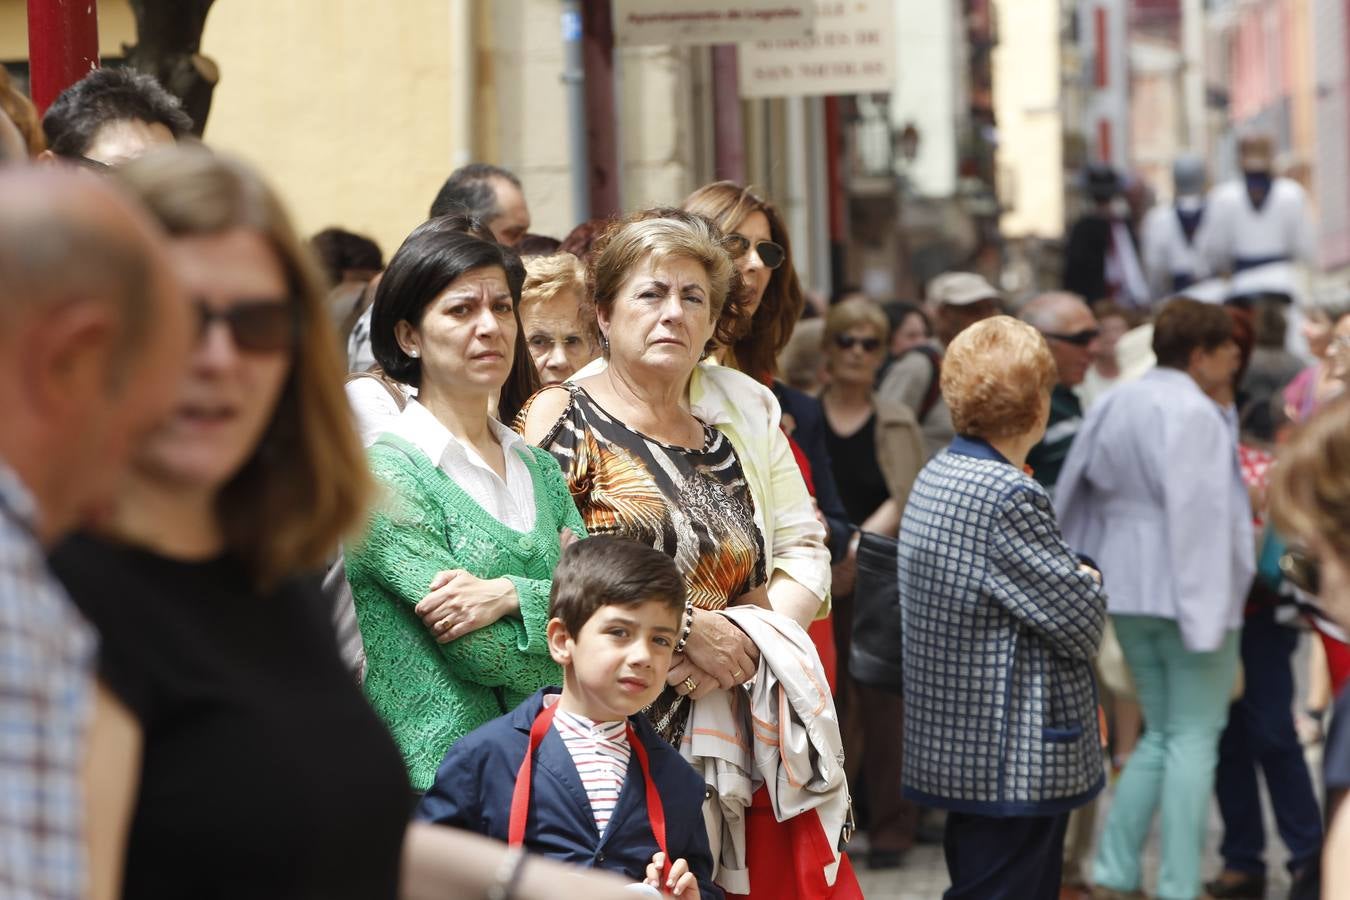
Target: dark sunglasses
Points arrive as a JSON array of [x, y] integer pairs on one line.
[[257, 326], [848, 342], [771, 254], [1079, 338], [1302, 571]]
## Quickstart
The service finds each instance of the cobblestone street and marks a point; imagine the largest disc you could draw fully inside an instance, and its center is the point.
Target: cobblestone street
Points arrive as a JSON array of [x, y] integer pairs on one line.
[[924, 874]]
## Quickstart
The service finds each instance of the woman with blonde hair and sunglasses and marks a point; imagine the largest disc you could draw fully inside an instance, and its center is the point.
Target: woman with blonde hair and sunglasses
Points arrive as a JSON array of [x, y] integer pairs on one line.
[[876, 451], [234, 755], [760, 326]]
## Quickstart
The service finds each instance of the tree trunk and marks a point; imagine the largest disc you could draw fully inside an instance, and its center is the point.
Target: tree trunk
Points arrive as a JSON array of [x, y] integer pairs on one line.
[[169, 39]]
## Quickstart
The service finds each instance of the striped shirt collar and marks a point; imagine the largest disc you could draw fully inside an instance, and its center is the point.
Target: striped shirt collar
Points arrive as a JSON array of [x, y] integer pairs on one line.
[[616, 730]]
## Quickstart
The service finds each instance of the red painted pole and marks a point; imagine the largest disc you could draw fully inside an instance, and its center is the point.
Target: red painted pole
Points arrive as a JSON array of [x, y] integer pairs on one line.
[[62, 46], [728, 128], [597, 29], [834, 173]]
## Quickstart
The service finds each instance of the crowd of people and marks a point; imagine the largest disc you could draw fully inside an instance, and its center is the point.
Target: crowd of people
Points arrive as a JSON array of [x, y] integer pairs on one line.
[[533, 567]]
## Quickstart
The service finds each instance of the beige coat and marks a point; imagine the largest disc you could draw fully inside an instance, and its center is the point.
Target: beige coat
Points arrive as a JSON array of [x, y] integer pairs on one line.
[[900, 447]]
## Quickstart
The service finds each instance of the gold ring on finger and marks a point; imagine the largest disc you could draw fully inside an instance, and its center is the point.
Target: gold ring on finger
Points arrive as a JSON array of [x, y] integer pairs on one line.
[[690, 684]]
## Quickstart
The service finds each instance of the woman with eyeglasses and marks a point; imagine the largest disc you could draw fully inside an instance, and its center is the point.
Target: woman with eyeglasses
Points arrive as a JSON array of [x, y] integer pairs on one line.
[[759, 327], [219, 655], [1152, 491], [876, 451], [1309, 488]]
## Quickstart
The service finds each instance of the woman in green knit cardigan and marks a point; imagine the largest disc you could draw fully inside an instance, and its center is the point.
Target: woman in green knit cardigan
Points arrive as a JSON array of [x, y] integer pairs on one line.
[[451, 582]]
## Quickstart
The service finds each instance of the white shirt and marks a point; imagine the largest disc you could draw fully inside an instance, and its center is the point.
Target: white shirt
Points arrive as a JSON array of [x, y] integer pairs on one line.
[[1168, 253], [359, 355], [1123, 268], [510, 502], [1234, 233], [1094, 385], [374, 408]]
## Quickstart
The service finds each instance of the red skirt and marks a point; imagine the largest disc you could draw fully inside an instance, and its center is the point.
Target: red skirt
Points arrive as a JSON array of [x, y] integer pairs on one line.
[[798, 842], [1338, 661], [821, 633]]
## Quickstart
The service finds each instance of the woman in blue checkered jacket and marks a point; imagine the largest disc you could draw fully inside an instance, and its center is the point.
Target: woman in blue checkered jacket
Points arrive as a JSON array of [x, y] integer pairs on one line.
[[1001, 623]]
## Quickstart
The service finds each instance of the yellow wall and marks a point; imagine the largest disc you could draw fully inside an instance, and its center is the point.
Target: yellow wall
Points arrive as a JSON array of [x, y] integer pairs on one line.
[[343, 103], [347, 106], [1030, 122]]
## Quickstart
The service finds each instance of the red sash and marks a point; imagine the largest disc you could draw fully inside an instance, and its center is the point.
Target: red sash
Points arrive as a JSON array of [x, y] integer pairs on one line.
[[520, 797]]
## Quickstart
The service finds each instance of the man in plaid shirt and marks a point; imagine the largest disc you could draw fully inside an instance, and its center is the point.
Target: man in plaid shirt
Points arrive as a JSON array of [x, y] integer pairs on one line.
[[93, 333]]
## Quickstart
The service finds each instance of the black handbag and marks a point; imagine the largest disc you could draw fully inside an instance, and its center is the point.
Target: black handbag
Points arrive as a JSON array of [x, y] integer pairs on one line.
[[874, 648]]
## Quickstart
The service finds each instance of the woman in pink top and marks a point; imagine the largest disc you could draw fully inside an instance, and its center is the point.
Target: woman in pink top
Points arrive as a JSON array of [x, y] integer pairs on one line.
[[1315, 384]]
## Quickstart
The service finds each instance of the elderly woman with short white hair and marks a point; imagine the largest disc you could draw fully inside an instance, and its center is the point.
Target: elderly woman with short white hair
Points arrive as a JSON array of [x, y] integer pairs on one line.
[[558, 320], [1001, 623]]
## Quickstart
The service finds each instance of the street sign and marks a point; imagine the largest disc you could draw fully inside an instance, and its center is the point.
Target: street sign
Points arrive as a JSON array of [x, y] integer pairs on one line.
[[699, 22], [851, 50]]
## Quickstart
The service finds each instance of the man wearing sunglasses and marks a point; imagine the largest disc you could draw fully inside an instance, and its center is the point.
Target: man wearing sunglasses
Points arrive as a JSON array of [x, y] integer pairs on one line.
[[110, 116], [959, 300], [1071, 330]]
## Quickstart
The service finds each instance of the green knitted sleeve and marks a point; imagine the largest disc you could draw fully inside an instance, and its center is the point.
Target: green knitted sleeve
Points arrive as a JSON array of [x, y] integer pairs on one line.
[[408, 544], [533, 592]]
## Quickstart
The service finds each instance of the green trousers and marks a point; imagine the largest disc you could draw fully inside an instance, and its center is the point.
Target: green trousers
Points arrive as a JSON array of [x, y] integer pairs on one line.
[[1184, 697]]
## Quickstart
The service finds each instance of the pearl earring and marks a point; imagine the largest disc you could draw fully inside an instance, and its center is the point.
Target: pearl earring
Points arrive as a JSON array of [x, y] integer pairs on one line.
[[414, 354]]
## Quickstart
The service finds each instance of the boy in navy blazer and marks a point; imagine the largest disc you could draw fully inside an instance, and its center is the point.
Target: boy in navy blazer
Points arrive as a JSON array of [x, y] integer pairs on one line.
[[582, 776]]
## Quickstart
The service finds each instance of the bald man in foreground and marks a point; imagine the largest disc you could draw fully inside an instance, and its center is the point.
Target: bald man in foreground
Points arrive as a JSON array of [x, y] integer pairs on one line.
[[94, 335]]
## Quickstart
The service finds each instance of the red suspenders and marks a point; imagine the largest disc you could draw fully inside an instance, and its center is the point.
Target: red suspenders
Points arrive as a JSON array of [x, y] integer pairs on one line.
[[520, 797]]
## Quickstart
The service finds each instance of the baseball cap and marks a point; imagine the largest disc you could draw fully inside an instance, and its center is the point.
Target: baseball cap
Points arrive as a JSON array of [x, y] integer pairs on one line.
[[961, 289]]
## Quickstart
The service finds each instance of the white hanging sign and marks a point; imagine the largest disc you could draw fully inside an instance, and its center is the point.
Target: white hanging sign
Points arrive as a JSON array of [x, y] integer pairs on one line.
[[851, 50], [639, 22]]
